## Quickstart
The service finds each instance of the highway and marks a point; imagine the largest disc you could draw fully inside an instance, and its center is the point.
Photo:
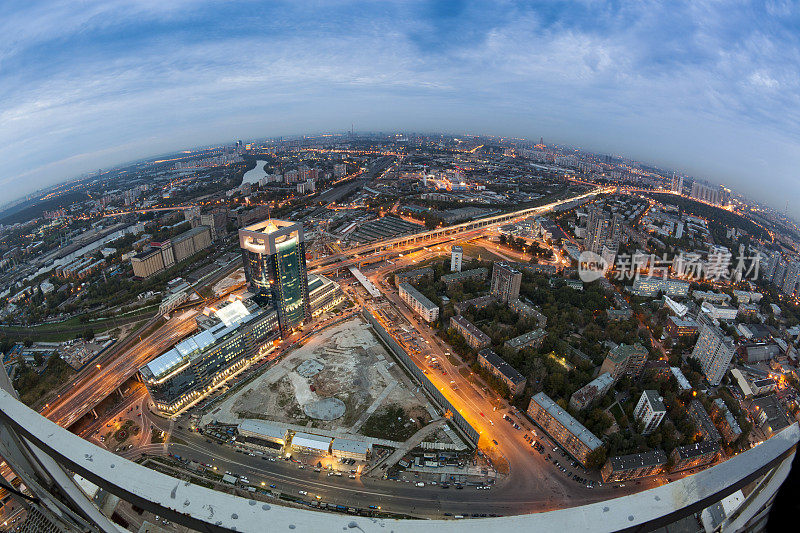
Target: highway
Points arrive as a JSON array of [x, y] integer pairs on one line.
[[91, 388]]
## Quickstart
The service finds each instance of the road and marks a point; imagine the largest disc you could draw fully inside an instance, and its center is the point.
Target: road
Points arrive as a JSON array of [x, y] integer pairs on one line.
[[91, 388]]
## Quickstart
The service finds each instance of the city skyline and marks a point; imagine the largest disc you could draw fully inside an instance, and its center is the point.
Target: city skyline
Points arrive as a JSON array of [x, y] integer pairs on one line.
[[691, 87]]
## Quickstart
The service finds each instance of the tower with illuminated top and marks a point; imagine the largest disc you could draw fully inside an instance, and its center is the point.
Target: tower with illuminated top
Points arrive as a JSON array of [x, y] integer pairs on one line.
[[273, 254]]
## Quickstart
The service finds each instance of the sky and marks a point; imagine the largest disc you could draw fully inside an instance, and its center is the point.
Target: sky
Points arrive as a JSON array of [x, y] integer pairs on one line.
[[709, 88]]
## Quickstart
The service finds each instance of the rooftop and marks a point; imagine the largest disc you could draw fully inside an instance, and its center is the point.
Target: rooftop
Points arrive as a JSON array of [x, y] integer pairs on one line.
[[500, 364], [418, 296], [566, 420], [526, 338], [638, 460], [656, 402], [695, 450]]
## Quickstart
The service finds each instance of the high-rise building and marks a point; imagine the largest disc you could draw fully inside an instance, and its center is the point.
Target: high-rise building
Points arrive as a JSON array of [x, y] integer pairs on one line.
[[456, 255], [650, 411], [505, 282], [273, 253], [791, 278], [714, 350], [603, 230], [710, 194], [677, 184]]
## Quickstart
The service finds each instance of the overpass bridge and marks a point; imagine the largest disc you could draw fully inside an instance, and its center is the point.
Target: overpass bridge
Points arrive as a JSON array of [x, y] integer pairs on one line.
[[436, 236]]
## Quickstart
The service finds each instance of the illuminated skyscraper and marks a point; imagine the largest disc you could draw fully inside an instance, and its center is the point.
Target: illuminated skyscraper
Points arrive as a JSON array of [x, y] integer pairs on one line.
[[273, 253]]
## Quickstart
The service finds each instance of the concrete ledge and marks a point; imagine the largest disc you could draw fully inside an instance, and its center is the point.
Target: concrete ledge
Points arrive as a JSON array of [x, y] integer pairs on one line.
[[203, 509]]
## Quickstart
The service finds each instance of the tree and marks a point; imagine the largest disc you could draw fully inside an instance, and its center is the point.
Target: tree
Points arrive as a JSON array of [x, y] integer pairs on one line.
[[596, 458]]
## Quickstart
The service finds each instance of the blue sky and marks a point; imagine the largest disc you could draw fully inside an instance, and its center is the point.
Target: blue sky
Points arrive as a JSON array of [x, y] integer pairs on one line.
[[710, 88]]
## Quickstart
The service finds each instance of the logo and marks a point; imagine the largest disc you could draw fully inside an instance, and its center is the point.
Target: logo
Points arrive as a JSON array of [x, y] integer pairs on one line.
[[591, 266]]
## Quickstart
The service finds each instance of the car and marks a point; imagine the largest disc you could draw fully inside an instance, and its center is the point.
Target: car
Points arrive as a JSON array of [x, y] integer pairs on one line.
[[302, 493], [352, 476], [420, 484], [272, 486], [495, 442]]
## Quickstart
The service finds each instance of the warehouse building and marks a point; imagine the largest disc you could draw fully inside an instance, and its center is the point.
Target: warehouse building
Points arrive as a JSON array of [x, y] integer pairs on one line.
[[308, 443], [351, 449]]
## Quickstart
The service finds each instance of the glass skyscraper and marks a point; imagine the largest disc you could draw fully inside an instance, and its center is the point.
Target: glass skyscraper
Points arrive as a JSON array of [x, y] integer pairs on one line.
[[273, 253]]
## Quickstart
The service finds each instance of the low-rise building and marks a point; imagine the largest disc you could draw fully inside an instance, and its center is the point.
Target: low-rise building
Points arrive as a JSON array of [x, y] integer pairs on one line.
[[261, 435], [727, 422], [475, 338], [506, 373], [634, 466], [625, 359], [694, 455], [480, 302], [412, 276], [528, 311], [570, 434], [351, 449], [308, 443], [526, 340], [768, 414], [475, 274], [591, 392], [419, 303], [680, 327], [719, 311], [683, 383], [703, 422]]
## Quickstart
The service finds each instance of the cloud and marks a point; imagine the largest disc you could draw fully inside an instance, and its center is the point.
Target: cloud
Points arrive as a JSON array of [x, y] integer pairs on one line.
[[708, 87]]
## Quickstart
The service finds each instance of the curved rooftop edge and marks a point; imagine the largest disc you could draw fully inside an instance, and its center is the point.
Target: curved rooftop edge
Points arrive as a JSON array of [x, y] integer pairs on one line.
[[204, 509]]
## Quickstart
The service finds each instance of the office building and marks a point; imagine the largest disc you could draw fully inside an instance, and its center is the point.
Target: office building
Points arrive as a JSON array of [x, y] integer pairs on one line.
[[625, 360], [651, 286], [714, 350], [527, 340], [413, 276], [570, 434], [718, 311], [702, 422], [230, 338], [694, 455], [475, 274], [650, 411], [456, 257], [273, 253], [475, 338], [506, 282], [634, 466], [591, 392], [323, 293], [217, 220], [163, 255], [506, 373], [727, 422], [419, 303]]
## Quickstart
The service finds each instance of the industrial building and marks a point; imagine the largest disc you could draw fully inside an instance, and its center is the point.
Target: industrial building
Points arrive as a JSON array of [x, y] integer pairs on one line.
[[308, 443], [261, 435]]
